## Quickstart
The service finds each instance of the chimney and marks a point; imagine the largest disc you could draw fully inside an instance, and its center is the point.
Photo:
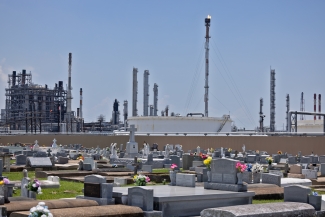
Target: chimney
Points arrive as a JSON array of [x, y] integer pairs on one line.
[[315, 105], [319, 106]]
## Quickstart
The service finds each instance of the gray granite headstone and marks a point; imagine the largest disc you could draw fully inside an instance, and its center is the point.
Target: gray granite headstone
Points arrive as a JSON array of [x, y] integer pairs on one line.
[[309, 174], [185, 180], [322, 159], [305, 160], [141, 197], [224, 171], [63, 160], [175, 160], [271, 179], [187, 161], [39, 162], [251, 158], [90, 160], [95, 179], [322, 169], [149, 160], [40, 154], [296, 193], [292, 160], [21, 159]]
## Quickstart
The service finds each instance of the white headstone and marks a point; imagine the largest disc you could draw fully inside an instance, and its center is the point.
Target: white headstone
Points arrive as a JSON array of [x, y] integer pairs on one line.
[[36, 146], [54, 145], [131, 146]]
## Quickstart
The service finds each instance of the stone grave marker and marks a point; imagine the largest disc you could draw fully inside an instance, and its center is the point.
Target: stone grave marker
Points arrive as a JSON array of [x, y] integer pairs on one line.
[[296, 193], [142, 198], [292, 160], [185, 180], [24, 182], [131, 146], [276, 172], [251, 158], [271, 179], [296, 169], [263, 159], [224, 171], [149, 160], [310, 174], [322, 159], [1, 167], [175, 160], [322, 169], [314, 159], [305, 160], [187, 161], [21, 159], [63, 160], [40, 154], [89, 160], [283, 161], [39, 162]]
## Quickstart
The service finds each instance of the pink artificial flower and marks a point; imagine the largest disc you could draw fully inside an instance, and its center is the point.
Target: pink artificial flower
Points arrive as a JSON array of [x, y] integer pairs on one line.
[[6, 181], [173, 166], [147, 179]]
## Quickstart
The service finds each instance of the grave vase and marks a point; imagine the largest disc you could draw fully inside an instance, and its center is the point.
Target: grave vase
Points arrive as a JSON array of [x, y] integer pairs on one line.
[[209, 174], [172, 176], [4, 193], [269, 167], [239, 178], [32, 194], [315, 201]]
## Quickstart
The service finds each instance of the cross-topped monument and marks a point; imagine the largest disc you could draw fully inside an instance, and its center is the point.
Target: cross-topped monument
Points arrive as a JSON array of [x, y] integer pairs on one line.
[[54, 145], [36, 146], [132, 145]]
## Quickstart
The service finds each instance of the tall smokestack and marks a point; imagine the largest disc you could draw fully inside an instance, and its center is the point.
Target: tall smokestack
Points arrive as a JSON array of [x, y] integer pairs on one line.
[[23, 77], [314, 105], [80, 112], [261, 115], [13, 78], [272, 101], [319, 106], [155, 99], [145, 92], [206, 86], [69, 94], [135, 93]]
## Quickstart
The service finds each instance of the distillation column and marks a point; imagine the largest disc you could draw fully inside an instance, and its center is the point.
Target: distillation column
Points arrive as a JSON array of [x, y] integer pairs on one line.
[[272, 101], [145, 92], [135, 93], [287, 113], [125, 111], [155, 100]]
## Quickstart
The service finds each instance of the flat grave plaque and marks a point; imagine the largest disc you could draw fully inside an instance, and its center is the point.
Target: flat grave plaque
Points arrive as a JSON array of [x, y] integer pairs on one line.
[[92, 189]]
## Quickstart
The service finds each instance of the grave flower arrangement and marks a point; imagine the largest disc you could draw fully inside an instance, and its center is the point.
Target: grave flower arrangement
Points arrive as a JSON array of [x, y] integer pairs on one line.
[[240, 167], [173, 167], [35, 186], [141, 180], [207, 162], [229, 150], [314, 193], [4, 181], [269, 160], [249, 167], [81, 158], [203, 156], [40, 211], [279, 152], [257, 168]]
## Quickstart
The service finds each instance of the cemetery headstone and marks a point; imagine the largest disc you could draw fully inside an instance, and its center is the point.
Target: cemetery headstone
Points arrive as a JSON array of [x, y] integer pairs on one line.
[[24, 183], [21, 159], [39, 162], [131, 146], [141, 197], [296, 193]]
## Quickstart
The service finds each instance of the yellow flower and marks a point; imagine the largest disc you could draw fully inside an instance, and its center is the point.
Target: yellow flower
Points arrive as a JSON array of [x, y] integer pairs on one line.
[[1, 182]]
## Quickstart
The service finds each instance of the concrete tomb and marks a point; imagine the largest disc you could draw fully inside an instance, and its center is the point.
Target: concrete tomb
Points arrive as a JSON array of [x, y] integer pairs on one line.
[[21, 159], [39, 162], [271, 179], [185, 180], [309, 174]]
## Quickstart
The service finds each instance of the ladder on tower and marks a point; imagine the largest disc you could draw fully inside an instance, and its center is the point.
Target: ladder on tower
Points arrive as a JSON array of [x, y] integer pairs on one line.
[[226, 118]]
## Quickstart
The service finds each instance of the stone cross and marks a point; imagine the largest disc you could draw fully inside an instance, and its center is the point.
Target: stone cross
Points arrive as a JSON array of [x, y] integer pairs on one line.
[[54, 145], [135, 164], [222, 155], [244, 148], [132, 130], [49, 152]]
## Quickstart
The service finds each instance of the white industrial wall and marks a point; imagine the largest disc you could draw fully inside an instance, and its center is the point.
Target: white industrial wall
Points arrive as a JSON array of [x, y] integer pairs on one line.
[[179, 124]]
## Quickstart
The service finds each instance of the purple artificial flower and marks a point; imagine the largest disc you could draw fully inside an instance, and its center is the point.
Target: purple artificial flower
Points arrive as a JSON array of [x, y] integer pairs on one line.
[[6, 181]]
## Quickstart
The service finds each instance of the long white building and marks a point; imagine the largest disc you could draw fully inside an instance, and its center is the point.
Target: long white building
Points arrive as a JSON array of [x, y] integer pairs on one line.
[[173, 124]]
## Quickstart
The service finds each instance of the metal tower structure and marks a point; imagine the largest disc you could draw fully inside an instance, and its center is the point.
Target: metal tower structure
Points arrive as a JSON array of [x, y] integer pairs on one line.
[[272, 101], [287, 113], [115, 113], [151, 110], [315, 105], [155, 99], [80, 108], [302, 105], [206, 86], [145, 92], [261, 116], [125, 111], [135, 93], [69, 94], [319, 105]]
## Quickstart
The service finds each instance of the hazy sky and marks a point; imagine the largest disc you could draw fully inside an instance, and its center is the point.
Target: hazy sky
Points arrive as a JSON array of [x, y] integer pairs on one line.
[[108, 38]]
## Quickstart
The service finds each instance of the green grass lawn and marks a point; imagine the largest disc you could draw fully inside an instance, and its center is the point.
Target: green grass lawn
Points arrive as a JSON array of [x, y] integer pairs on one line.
[[267, 201]]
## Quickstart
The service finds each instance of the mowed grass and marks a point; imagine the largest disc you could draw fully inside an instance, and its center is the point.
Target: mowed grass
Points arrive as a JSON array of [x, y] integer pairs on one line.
[[68, 189], [267, 201]]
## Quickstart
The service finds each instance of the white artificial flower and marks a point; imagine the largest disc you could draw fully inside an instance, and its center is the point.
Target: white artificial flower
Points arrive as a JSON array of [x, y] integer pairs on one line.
[[43, 216], [46, 211], [33, 209], [34, 185], [50, 215], [40, 208], [41, 203]]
